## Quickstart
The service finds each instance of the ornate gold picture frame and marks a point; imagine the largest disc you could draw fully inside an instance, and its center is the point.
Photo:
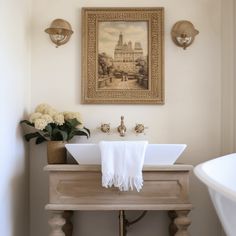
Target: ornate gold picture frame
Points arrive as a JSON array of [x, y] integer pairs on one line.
[[122, 55]]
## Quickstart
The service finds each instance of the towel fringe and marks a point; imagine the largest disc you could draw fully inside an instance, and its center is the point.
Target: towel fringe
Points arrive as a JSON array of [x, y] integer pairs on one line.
[[124, 183]]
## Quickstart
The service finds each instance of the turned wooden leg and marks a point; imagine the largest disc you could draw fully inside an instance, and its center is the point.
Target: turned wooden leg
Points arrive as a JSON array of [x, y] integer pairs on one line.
[[56, 222], [172, 227], [68, 226], [182, 223]]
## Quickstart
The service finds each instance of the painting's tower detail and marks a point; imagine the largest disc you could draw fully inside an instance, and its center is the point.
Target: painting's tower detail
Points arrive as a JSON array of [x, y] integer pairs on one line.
[[125, 55]]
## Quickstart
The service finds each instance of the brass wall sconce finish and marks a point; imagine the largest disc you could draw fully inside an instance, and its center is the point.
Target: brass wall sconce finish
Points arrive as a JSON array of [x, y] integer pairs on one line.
[[59, 31], [183, 33]]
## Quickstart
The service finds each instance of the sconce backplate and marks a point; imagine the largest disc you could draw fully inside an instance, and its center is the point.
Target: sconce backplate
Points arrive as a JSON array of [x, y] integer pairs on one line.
[[59, 31], [183, 30]]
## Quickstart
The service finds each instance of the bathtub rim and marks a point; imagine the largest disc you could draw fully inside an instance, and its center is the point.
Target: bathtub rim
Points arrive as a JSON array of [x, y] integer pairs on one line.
[[213, 184]]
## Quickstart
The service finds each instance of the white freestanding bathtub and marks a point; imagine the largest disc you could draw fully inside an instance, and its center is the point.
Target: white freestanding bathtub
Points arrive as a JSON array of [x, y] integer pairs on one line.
[[220, 177]]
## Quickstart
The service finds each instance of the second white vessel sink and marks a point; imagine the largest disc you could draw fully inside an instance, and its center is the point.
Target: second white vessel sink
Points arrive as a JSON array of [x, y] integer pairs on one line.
[[156, 154]]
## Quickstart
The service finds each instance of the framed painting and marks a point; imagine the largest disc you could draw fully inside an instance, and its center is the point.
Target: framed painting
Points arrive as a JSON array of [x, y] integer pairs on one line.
[[122, 55]]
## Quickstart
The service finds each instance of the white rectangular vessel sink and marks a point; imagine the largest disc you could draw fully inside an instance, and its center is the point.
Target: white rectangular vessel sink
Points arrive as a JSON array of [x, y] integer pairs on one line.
[[156, 154]]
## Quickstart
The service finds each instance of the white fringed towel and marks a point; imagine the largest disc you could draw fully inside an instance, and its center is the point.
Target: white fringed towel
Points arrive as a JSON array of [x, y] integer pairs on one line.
[[122, 164]]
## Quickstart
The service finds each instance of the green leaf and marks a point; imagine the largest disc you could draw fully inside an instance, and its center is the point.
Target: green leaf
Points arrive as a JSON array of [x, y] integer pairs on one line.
[[73, 122], [58, 134], [70, 135], [87, 130], [40, 140], [26, 122], [31, 135], [81, 133], [48, 128], [64, 135]]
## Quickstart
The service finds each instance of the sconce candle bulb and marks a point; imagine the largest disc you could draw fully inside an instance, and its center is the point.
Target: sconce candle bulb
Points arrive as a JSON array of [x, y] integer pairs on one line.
[[183, 33], [59, 31]]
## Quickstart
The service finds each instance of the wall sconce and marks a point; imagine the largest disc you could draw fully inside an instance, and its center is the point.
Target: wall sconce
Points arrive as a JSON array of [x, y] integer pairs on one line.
[[183, 33], [60, 31]]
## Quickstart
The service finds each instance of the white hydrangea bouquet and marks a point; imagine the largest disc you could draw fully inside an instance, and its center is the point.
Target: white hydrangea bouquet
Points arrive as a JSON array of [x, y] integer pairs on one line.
[[51, 125]]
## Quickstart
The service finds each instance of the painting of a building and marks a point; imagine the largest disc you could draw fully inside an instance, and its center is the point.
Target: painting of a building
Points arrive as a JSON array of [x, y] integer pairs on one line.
[[122, 55], [125, 55]]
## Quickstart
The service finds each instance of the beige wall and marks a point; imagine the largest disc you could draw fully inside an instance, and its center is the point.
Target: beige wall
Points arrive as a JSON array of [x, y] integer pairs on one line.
[[191, 114], [228, 72], [228, 79], [14, 103]]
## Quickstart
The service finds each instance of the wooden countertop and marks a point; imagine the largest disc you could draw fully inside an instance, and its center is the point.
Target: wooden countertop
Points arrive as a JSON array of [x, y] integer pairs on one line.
[[68, 167]]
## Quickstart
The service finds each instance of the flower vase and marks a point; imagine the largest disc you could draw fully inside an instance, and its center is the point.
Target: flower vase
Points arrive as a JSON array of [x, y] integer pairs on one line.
[[56, 152]]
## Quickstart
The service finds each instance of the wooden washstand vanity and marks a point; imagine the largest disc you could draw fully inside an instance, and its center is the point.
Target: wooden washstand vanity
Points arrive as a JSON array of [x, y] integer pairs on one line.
[[78, 187]]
